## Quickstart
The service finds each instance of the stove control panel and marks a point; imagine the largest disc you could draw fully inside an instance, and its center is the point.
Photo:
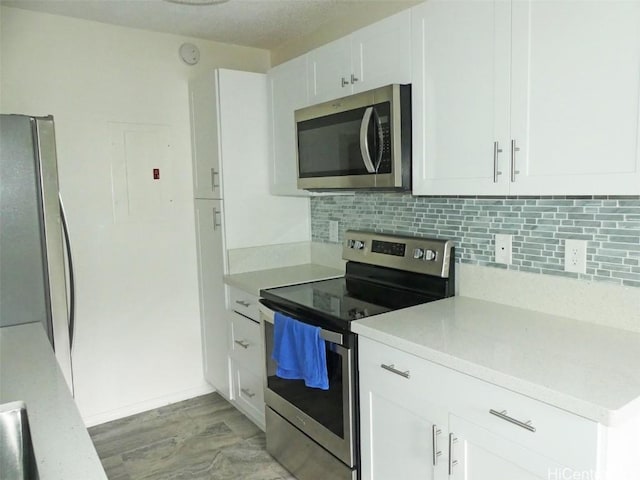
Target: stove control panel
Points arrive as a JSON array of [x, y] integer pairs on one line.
[[414, 254]]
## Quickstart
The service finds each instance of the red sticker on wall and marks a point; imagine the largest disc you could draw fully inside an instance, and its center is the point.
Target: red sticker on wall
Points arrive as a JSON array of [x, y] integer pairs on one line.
[[156, 174]]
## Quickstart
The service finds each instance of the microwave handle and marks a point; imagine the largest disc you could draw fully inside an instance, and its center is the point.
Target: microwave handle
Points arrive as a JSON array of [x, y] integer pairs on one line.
[[380, 139], [364, 141]]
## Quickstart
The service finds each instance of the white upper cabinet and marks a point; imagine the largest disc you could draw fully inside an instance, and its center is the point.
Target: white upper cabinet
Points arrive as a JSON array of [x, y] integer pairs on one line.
[[288, 92], [329, 71], [526, 98], [460, 97], [205, 136], [372, 57], [575, 97]]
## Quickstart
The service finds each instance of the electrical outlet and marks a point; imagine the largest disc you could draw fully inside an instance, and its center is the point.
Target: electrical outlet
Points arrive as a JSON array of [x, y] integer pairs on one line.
[[503, 248], [333, 231], [575, 256]]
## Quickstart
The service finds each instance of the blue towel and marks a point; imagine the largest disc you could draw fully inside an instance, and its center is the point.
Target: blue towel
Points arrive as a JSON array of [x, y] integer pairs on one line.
[[300, 352]]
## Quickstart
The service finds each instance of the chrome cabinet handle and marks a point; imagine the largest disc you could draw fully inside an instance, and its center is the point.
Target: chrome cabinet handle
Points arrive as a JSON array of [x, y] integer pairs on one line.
[[243, 303], [213, 179], [496, 151], [354, 79], [435, 431], [503, 415], [391, 368], [514, 149], [344, 82], [244, 345], [247, 392], [452, 463], [215, 222]]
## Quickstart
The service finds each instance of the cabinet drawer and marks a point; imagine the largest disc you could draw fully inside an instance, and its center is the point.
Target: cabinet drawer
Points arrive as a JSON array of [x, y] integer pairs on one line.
[[246, 342], [248, 392], [550, 431], [406, 375], [244, 303]]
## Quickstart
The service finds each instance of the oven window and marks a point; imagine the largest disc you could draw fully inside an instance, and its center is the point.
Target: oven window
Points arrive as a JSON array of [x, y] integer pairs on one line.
[[330, 146], [324, 406]]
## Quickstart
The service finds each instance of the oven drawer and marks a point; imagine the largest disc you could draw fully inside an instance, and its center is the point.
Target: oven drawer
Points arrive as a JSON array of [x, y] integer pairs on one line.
[[246, 342], [248, 392], [244, 303]]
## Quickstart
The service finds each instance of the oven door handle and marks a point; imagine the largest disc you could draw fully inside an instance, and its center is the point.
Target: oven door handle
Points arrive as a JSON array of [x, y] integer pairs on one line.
[[328, 335]]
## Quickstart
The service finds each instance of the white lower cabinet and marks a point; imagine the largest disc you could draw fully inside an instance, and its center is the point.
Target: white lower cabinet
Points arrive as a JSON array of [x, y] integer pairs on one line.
[[246, 354], [400, 433], [213, 322], [248, 393], [422, 420]]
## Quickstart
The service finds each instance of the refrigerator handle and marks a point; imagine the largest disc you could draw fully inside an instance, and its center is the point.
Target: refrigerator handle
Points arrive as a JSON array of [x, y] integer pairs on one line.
[[72, 300]]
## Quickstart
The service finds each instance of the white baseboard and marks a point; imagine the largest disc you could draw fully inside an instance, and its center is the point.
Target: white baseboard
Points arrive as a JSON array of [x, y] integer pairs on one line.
[[132, 409]]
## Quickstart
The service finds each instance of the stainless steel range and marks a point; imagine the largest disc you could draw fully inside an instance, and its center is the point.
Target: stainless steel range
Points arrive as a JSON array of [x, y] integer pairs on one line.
[[314, 432]]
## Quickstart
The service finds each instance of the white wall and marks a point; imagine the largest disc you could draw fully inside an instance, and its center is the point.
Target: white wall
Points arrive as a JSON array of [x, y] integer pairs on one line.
[[138, 334]]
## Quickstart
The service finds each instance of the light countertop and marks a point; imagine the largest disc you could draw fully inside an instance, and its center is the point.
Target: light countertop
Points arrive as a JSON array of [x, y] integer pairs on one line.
[[253, 282], [587, 369], [29, 372]]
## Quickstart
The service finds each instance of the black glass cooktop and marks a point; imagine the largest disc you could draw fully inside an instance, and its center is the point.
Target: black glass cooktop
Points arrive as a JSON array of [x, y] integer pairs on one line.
[[340, 300]]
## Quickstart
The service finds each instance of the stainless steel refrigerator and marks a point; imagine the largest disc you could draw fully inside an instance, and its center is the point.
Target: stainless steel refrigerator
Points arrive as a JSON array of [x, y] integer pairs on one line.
[[36, 275]]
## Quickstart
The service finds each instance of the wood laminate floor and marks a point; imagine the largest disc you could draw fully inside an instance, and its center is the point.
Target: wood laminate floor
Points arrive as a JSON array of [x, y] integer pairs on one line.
[[204, 438]]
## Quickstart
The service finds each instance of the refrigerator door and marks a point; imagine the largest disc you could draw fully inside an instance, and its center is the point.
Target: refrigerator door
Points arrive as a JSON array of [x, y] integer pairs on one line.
[[32, 273]]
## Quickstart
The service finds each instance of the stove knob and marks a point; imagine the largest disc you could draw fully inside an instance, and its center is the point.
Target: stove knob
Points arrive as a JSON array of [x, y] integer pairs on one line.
[[429, 255], [358, 245], [418, 253], [350, 243]]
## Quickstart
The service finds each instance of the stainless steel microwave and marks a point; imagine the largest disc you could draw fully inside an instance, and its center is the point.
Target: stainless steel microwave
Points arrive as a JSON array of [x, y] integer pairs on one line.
[[358, 142]]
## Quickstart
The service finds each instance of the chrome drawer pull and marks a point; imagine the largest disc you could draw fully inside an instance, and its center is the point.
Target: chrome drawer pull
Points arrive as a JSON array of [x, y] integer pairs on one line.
[[503, 415], [392, 369], [243, 303], [244, 345], [247, 392]]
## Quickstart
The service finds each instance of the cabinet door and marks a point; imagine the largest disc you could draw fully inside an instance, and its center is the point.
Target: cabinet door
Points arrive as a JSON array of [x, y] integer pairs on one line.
[[205, 136], [479, 454], [211, 267], [398, 421], [575, 97], [381, 53], [288, 92], [329, 71], [460, 97]]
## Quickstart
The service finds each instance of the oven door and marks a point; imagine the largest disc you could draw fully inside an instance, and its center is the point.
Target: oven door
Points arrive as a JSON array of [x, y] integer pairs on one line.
[[327, 416]]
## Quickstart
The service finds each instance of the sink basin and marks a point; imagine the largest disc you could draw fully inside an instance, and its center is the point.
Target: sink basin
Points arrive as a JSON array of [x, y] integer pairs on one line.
[[17, 460]]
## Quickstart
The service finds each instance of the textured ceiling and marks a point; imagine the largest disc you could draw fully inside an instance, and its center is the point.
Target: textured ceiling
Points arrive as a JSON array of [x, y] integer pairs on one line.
[[255, 23]]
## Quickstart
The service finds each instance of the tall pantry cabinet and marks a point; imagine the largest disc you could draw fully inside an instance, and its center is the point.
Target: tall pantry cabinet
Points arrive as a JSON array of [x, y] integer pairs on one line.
[[233, 206]]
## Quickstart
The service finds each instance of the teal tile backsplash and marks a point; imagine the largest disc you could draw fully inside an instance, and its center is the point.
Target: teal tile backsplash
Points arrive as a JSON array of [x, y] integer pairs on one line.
[[610, 225]]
